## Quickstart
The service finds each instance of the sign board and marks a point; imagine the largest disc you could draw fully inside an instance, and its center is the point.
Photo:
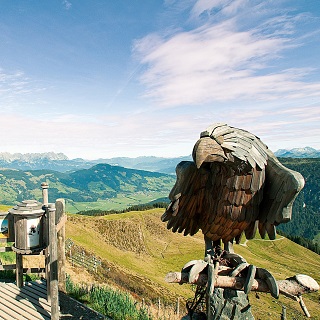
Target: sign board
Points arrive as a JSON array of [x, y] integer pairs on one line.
[[4, 224], [33, 229]]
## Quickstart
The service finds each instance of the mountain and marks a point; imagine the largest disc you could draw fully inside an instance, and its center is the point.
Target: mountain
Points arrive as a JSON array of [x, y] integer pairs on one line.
[[114, 187], [41, 161], [306, 152], [60, 162], [155, 164], [100, 182]]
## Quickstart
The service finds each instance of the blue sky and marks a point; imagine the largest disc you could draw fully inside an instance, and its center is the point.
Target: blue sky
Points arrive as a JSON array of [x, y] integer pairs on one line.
[[99, 79]]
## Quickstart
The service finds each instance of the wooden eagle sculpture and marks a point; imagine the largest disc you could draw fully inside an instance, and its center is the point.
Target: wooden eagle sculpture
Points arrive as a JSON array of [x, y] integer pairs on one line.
[[235, 185]]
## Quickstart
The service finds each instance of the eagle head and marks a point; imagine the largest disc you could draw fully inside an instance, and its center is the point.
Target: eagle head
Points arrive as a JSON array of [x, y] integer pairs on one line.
[[207, 149]]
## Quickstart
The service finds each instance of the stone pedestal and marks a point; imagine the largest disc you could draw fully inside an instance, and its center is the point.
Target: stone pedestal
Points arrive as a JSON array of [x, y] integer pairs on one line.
[[228, 304]]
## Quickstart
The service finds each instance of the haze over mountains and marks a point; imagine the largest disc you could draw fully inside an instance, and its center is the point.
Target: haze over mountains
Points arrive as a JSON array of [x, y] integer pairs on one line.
[[60, 162]]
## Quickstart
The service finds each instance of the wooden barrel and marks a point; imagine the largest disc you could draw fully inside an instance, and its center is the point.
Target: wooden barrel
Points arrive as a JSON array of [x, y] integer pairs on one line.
[[28, 226]]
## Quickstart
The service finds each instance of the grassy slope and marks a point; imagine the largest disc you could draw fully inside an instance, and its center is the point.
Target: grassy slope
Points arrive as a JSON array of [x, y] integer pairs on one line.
[[139, 251]]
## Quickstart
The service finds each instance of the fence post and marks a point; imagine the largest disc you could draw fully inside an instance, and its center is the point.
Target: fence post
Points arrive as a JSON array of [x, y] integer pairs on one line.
[[284, 313], [159, 307], [45, 202], [178, 306], [61, 238], [19, 270], [54, 293]]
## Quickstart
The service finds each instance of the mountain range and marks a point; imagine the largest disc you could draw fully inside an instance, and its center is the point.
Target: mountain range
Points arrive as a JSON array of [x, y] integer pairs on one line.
[[60, 162], [306, 152], [115, 187], [101, 182]]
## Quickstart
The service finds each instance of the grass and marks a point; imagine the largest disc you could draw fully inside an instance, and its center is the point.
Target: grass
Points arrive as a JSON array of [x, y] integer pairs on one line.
[[107, 301], [4, 208], [118, 203], [140, 251], [9, 275]]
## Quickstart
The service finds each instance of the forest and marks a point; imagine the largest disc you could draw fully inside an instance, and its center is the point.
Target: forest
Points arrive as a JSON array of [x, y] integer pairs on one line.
[[306, 209]]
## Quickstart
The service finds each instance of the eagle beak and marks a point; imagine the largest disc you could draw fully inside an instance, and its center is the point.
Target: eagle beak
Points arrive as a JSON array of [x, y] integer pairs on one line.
[[207, 149]]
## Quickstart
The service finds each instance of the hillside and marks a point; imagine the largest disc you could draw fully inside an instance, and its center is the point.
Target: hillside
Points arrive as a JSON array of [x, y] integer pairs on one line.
[[306, 209], [137, 251], [99, 184], [107, 187]]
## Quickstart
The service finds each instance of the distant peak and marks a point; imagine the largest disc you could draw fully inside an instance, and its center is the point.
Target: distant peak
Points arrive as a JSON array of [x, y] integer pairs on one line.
[[305, 152], [29, 157]]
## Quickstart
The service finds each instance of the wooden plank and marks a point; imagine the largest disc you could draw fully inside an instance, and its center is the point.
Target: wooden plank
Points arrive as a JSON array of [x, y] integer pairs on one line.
[[40, 292], [38, 304], [21, 306], [15, 305], [25, 270], [7, 267], [5, 249], [34, 270], [39, 296], [38, 285], [30, 299], [9, 314]]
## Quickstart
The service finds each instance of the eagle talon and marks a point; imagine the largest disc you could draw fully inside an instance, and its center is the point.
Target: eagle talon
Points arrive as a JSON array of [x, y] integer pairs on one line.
[[238, 269], [240, 265], [265, 275], [256, 273], [250, 278], [196, 270], [233, 259]]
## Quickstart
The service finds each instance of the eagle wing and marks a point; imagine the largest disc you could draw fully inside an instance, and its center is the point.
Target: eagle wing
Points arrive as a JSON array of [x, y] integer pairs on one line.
[[282, 186], [214, 198]]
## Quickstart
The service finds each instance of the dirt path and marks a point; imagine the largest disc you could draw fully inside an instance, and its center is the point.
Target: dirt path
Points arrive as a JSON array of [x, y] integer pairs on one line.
[[245, 243]]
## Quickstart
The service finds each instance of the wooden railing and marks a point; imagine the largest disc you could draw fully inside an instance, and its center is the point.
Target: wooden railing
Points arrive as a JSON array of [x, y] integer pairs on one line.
[[54, 241]]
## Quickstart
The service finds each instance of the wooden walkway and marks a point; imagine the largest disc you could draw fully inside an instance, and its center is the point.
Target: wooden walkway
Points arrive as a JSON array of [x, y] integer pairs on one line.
[[28, 302]]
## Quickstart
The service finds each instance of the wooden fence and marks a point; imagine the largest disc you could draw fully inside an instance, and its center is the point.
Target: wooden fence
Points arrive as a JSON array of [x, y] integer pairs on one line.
[[79, 257]]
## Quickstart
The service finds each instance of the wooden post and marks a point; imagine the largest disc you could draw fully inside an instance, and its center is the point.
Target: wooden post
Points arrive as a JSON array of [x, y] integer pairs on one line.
[[19, 270], [61, 238], [284, 313], [303, 306], [178, 306], [45, 198], [54, 293], [159, 307], [45, 195]]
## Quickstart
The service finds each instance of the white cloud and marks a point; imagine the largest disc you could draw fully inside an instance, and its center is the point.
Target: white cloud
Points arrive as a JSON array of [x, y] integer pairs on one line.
[[16, 89], [222, 60], [226, 8], [67, 4], [96, 136]]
